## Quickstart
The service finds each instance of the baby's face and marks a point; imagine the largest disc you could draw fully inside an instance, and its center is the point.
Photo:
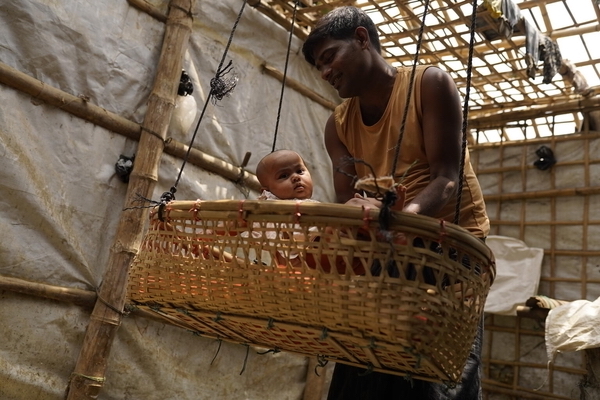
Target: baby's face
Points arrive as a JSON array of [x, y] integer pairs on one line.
[[288, 177]]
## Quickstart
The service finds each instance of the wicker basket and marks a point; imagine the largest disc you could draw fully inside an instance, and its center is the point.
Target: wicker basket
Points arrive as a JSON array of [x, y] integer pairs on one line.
[[318, 279]]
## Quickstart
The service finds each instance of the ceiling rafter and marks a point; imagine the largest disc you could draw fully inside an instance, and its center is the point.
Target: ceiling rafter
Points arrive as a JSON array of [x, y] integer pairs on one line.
[[500, 85]]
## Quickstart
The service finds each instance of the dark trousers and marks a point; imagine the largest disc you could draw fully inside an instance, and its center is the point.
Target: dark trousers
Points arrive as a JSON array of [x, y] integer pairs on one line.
[[351, 383]]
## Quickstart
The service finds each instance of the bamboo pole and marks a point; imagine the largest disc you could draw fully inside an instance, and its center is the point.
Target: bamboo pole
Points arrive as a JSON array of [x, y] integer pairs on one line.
[[540, 140], [88, 376], [300, 88], [496, 118], [99, 116], [313, 389], [149, 9], [213, 164], [77, 106], [570, 192], [80, 297]]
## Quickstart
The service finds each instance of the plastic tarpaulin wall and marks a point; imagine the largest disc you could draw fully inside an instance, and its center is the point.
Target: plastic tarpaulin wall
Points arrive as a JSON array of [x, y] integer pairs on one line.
[[61, 201]]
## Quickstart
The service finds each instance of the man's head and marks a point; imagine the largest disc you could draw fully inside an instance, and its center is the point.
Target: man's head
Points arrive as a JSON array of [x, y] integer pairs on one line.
[[340, 24], [284, 174]]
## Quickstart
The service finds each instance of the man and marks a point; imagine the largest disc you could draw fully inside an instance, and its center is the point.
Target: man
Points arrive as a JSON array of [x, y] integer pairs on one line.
[[344, 46]]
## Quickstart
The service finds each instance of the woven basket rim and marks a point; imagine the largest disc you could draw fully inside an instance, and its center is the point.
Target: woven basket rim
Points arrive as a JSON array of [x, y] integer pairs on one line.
[[303, 211]]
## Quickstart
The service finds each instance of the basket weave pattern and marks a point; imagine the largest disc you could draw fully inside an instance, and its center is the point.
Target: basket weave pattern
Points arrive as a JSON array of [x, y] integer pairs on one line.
[[318, 279]]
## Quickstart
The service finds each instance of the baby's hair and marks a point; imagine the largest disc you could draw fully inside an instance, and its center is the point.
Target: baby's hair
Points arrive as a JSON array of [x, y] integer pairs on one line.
[[261, 167]]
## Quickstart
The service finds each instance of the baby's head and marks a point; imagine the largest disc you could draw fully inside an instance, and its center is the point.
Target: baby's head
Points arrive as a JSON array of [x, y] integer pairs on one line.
[[284, 174]]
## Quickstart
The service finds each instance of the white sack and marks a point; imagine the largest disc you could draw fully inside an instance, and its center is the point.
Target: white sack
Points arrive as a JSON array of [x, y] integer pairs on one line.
[[518, 269], [573, 326]]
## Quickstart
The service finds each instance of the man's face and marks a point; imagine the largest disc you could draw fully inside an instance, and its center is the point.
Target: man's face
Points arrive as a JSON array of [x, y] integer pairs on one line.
[[339, 62], [287, 177]]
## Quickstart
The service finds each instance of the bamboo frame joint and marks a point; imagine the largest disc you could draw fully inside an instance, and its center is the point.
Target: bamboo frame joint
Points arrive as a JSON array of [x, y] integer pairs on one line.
[[153, 133]]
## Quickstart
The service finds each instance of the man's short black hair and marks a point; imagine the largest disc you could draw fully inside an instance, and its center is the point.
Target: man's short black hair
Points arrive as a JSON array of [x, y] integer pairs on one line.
[[341, 23]]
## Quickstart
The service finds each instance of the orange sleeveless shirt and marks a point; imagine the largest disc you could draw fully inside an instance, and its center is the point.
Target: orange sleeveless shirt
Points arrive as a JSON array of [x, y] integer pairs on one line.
[[376, 145]]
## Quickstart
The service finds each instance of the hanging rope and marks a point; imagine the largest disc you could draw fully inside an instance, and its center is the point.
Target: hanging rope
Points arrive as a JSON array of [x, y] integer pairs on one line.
[[287, 57], [465, 115], [219, 88], [410, 89], [390, 196]]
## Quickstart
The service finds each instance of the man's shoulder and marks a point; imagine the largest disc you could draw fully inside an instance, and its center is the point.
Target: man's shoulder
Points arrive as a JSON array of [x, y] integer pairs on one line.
[[343, 106], [408, 69]]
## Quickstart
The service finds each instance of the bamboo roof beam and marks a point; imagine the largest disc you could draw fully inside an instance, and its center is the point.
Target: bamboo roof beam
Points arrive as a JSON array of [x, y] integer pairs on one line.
[[88, 376], [478, 120], [498, 44]]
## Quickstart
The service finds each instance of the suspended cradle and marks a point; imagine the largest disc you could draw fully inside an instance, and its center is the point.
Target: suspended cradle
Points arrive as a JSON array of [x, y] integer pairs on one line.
[[318, 279]]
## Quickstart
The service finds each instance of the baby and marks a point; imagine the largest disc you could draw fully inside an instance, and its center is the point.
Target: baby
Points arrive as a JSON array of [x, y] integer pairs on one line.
[[283, 176]]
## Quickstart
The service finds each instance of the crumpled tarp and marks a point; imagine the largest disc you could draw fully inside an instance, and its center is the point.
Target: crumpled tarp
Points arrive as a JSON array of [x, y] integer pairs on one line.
[[573, 326]]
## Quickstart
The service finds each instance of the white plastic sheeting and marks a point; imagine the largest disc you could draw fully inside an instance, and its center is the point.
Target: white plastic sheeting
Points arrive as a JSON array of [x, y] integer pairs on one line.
[[518, 270], [61, 201]]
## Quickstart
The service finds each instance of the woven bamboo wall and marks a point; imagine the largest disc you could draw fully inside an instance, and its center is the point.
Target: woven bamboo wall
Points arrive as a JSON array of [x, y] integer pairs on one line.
[[557, 210]]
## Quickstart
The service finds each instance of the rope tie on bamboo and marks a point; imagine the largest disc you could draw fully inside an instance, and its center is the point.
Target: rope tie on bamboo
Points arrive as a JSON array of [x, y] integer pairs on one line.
[[297, 214], [153, 133], [99, 379], [371, 345], [368, 371], [107, 304], [270, 323], [165, 198], [195, 210], [321, 363], [183, 311], [129, 308], [274, 351], [324, 334], [443, 232], [218, 318], [188, 12], [241, 213], [366, 217], [239, 181]]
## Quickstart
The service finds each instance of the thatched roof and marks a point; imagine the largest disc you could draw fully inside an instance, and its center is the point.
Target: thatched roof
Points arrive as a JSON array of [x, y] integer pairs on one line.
[[504, 88]]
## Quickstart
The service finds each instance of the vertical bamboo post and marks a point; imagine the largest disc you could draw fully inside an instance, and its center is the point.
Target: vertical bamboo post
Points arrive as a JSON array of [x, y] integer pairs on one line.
[[89, 374], [313, 389]]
